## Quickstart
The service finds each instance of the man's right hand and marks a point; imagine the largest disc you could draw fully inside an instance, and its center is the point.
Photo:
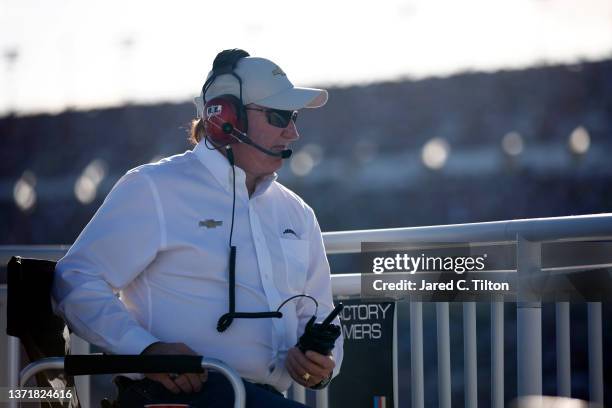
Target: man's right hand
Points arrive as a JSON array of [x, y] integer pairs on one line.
[[188, 382]]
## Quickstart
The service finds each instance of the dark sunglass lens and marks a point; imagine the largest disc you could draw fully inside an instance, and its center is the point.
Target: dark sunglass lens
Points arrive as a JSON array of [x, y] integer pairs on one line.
[[279, 118]]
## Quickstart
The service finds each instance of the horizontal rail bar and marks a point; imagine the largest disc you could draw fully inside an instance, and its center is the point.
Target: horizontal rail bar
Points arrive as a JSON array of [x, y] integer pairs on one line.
[[582, 227]]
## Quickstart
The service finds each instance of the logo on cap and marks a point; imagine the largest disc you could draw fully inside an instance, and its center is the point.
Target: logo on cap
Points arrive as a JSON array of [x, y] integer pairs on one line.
[[278, 71]]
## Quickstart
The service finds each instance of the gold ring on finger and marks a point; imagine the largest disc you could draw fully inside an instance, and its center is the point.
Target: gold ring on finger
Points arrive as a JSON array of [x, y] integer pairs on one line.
[[306, 376]]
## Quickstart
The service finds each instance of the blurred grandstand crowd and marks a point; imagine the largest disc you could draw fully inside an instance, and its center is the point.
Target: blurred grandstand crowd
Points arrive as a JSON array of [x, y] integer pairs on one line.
[[467, 148]]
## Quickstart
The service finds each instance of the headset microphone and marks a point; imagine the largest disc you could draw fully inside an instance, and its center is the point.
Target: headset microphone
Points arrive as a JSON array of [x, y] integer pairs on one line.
[[242, 137]]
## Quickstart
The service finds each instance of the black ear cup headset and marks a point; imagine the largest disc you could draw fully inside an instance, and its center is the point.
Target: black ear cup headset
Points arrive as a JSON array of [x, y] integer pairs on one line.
[[225, 123]]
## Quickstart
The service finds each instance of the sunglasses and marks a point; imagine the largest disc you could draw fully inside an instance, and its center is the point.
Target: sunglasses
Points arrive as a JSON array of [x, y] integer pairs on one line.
[[278, 118]]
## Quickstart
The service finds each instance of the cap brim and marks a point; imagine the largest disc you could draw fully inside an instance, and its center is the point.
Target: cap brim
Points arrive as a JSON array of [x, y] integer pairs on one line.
[[295, 98]]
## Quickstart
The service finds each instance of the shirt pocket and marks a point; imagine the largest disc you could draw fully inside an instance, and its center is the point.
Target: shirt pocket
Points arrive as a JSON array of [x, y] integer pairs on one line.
[[296, 253]]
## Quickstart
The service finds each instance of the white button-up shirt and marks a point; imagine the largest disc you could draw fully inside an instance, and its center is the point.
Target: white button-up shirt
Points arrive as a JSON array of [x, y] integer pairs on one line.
[[147, 241]]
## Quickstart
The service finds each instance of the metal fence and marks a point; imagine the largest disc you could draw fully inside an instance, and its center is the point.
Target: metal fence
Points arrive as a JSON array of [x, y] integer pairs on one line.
[[528, 236]]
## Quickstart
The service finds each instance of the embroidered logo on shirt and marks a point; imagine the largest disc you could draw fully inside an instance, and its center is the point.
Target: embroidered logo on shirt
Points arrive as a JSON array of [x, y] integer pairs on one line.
[[210, 223], [290, 231]]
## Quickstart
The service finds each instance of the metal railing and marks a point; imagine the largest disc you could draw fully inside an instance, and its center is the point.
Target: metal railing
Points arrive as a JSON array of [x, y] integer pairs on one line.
[[528, 235]]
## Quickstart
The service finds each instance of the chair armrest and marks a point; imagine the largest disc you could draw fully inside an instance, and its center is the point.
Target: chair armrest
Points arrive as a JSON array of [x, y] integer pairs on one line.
[[116, 364]]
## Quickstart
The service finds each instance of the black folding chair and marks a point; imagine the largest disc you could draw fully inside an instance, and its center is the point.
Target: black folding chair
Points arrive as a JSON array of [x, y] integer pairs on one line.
[[46, 341]]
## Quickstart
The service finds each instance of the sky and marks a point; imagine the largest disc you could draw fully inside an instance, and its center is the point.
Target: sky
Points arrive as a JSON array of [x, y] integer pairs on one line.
[[83, 54]]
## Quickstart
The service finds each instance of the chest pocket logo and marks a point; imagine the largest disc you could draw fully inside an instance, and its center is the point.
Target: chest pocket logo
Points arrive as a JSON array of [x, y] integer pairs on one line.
[[296, 258]]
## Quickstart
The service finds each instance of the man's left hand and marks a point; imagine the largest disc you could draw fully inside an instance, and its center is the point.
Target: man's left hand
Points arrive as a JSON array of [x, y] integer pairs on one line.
[[310, 368]]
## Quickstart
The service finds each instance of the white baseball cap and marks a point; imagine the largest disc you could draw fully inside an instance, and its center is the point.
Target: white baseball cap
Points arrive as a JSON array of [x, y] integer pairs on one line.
[[263, 83]]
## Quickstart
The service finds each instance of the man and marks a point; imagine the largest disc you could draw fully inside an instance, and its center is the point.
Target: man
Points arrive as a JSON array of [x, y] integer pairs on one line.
[[161, 238]]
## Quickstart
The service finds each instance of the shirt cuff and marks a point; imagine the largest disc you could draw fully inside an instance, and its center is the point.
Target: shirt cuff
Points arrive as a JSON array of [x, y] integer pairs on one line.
[[135, 341]]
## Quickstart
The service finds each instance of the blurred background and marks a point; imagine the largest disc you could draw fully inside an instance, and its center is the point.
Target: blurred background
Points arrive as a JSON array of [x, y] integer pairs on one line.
[[439, 112]]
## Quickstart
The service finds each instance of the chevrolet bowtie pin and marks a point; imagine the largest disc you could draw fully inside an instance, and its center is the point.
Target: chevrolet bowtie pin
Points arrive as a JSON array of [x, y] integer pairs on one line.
[[210, 223]]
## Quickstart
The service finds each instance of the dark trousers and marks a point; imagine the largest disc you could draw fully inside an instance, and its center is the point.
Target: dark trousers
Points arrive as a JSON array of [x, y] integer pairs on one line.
[[216, 392]]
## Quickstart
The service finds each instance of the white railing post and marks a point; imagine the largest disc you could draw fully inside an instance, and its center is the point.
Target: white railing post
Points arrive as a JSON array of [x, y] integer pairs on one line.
[[416, 355], [14, 365], [596, 388], [528, 323], [321, 398], [298, 393], [497, 355], [81, 382], [564, 373], [469, 355], [444, 367]]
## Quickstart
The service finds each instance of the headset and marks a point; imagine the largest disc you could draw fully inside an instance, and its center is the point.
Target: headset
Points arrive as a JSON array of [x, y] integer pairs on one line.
[[225, 113], [225, 117]]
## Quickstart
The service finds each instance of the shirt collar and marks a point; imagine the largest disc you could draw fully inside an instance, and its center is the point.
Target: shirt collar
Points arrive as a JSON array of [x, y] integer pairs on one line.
[[220, 168]]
